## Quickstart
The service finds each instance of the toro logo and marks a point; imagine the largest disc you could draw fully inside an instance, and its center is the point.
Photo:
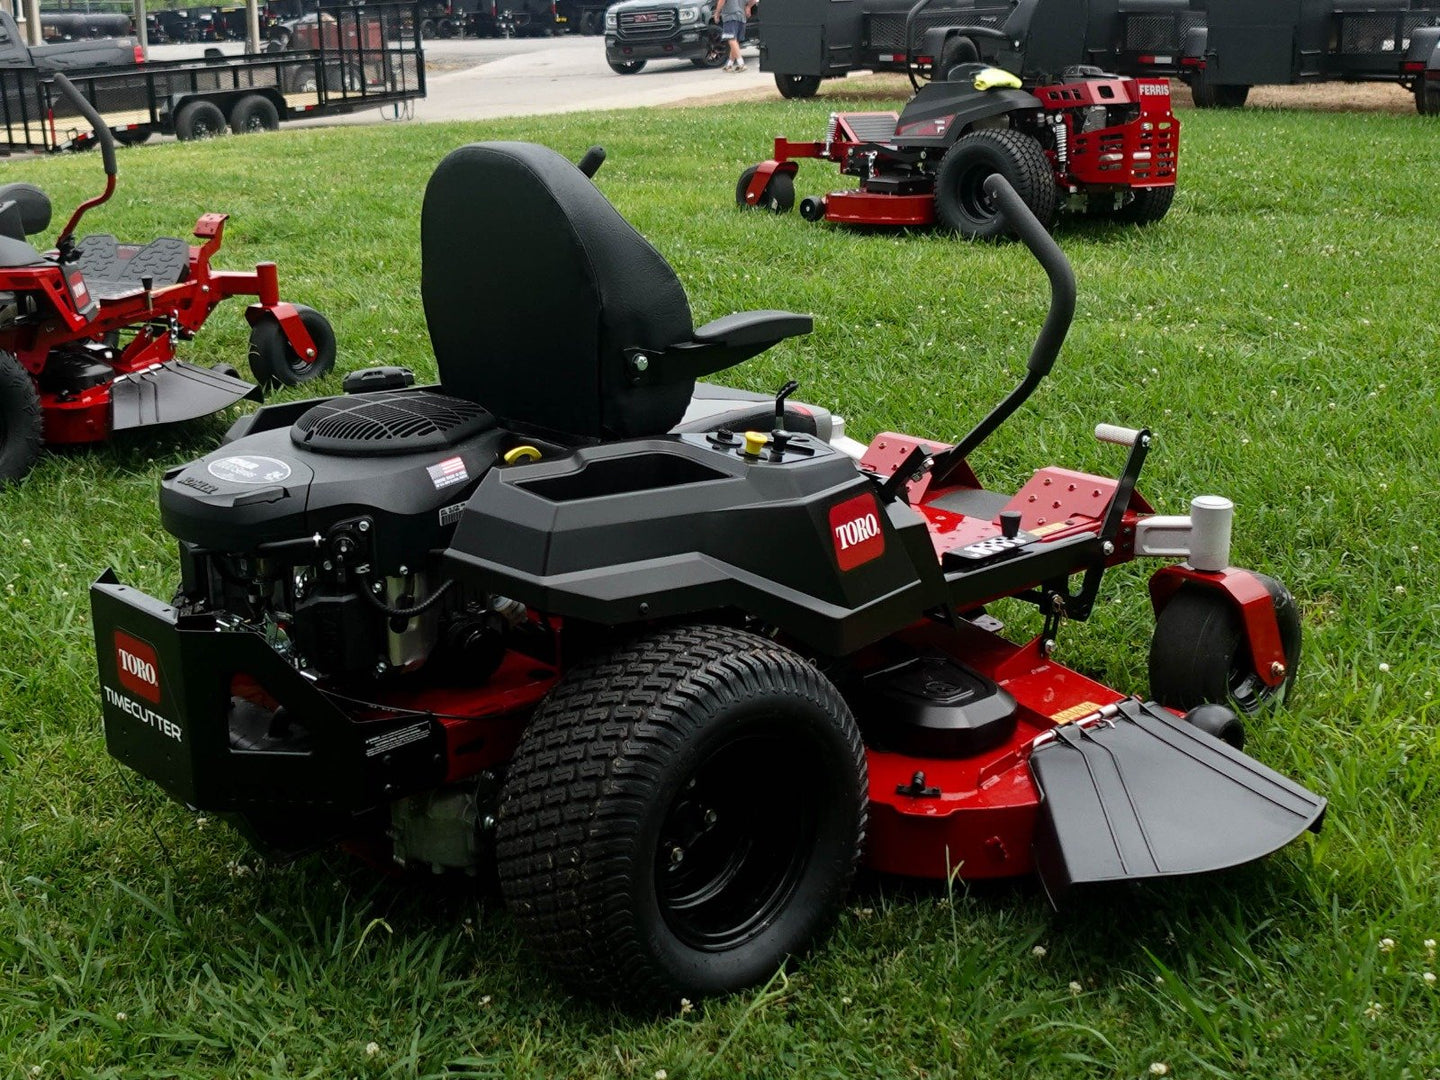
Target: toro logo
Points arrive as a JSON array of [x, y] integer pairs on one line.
[[855, 528], [138, 667]]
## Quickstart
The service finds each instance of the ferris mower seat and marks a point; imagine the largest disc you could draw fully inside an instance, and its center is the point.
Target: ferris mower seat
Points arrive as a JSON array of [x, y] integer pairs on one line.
[[551, 310], [113, 270]]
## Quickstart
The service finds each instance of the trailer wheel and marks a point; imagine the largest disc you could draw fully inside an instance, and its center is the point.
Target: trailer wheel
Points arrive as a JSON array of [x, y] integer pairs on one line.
[[778, 196], [254, 112], [20, 420], [683, 814], [427, 28], [1427, 97], [131, 136], [626, 67], [1210, 95], [960, 200], [1148, 205], [797, 86], [199, 120], [274, 363], [1199, 654]]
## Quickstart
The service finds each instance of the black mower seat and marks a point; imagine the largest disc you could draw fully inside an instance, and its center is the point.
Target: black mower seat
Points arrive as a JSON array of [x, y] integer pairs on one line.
[[113, 269], [548, 308]]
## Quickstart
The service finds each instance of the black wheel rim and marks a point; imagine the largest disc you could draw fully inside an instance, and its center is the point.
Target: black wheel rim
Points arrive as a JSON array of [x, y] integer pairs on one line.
[[970, 194], [733, 845], [1246, 688]]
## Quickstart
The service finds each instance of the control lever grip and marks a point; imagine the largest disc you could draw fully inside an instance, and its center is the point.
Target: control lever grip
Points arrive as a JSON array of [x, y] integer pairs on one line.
[[591, 162], [1114, 433], [93, 118]]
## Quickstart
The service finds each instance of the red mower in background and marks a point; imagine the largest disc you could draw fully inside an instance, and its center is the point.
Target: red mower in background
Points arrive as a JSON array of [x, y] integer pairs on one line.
[[88, 330], [1090, 140]]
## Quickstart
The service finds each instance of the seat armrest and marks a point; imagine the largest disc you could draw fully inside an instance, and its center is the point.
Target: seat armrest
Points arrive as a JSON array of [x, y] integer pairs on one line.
[[746, 328]]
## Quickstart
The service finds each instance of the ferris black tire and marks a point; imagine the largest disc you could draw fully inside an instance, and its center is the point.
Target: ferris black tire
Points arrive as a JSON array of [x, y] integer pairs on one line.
[[1147, 206], [274, 363], [21, 423], [626, 67], [252, 113], [961, 204], [793, 87], [778, 196], [200, 120], [683, 814], [1199, 654]]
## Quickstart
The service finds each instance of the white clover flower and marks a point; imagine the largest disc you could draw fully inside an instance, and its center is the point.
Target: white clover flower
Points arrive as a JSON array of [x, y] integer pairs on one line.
[[1399, 590], [845, 1000], [1386, 667], [121, 1017], [1075, 987], [1386, 944], [484, 1000], [371, 1049], [1373, 1010], [1429, 978], [1038, 952], [1430, 947], [1159, 1068], [661, 1074], [25, 542], [686, 1006]]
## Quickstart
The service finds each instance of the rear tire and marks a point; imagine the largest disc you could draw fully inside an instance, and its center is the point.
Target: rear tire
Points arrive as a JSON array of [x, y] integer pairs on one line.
[[961, 204], [778, 196], [626, 67], [683, 814], [199, 120], [1199, 654], [1149, 205], [21, 423], [253, 113], [274, 363], [793, 87]]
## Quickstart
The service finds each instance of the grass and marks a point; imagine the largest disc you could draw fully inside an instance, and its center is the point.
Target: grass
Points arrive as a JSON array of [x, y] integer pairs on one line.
[[1277, 332]]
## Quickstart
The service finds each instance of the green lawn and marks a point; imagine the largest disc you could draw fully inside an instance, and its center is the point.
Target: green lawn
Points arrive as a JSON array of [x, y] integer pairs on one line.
[[1277, 331]]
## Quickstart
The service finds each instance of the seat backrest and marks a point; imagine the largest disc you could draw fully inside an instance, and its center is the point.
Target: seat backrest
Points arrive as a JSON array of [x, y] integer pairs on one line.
[[534, 288]]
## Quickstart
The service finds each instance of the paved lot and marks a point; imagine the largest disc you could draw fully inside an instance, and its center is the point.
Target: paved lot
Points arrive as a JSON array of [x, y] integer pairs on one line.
[[488, 77]]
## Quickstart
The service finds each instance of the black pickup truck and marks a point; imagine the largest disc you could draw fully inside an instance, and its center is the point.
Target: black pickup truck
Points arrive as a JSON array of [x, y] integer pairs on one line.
[[64, 55]]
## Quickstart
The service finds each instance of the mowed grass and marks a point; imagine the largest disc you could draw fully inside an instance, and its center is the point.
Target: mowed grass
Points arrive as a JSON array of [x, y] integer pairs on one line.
[[1277, 331]]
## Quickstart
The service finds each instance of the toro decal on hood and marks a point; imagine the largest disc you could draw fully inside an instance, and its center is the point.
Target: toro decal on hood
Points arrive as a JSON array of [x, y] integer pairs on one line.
[[855, 530], [137, 666]]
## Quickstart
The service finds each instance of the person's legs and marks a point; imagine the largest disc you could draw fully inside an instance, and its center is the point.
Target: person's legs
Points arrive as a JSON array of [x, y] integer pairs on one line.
[[731, 30]]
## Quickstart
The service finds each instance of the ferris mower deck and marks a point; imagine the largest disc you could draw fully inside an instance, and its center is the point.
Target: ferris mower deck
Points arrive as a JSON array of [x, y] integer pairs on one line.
[[1107, 144], [68, 376], [675, 675]]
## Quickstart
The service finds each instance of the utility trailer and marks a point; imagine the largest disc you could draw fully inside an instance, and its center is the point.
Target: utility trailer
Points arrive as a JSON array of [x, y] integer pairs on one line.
[[1267, 42], [342, 60]]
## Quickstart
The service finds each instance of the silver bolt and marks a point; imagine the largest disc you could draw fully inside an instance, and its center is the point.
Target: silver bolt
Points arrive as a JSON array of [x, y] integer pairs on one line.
[[1047, 647], [310, 354], [1277, 670], [487, 823], [381, 667], [711, 817], [377, 588], [364, 525], [677, 855], [1145, 441], [641, 363], [1108, 548], [404, 570]]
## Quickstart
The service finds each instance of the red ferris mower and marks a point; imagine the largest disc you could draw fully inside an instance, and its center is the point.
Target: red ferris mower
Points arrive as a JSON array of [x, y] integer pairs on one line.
[[676, 661], [88, 331], [1106, 144]]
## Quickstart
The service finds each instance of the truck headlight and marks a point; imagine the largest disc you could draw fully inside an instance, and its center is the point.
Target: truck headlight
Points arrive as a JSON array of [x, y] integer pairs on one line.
[[611, 20], [689, 14]]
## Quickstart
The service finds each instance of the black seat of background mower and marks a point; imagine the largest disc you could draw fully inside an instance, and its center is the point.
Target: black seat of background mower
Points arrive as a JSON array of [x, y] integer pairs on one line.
[[538, 295], [113, 269], [24, 211]]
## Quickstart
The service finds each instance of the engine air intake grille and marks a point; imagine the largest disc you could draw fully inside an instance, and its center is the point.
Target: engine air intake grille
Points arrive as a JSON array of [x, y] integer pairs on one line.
[[405, 422]]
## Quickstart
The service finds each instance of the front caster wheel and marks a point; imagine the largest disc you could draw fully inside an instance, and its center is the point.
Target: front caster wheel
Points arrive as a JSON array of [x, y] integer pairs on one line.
[[778, 195], [1200, 654], [812, 208], [684, 812], [274, 362]]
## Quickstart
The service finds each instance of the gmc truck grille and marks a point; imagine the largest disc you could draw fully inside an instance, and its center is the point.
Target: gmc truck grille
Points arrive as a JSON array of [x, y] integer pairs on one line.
[[647, 25]]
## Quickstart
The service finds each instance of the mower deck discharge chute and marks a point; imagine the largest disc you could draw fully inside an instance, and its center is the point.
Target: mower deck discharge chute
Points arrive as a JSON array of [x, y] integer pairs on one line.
[[1080, 138], [676, 660], [67, 375]]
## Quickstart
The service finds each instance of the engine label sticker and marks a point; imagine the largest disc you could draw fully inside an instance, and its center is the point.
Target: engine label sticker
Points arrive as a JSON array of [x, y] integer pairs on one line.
[[393, 740], [249, 470], [855, 530], [138, 666], [448, 473], [451, 514]]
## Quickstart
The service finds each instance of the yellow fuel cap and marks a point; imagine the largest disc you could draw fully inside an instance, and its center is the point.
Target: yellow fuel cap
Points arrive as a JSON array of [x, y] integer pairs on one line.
[[755, 442], [519, 455], [993, 78]]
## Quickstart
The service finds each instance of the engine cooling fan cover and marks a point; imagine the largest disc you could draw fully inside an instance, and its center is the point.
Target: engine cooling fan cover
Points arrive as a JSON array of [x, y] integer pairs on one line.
[[404, 422]]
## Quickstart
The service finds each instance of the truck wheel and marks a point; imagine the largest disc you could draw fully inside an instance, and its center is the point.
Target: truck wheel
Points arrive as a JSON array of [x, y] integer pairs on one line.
[[1147, 206], [778, 196], [20, 420], [274, 363], [427, 28], [682, 815], [797, 86], [716, 51], [960, 200], [1199, 654], [199, 120], [626, 67], [254, 112]]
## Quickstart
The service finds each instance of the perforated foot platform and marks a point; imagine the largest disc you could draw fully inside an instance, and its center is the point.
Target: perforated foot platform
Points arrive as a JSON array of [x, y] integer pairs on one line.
[[113, 269]]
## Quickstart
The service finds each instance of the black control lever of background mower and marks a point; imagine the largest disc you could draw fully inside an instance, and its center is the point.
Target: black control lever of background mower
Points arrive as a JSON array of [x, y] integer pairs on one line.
[[591, 162], [107, 154], [1052, 334]]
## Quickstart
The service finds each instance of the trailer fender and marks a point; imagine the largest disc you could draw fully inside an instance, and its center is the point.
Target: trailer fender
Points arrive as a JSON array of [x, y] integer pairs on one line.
[[763, 172], [1424, 47], [1257, 599]]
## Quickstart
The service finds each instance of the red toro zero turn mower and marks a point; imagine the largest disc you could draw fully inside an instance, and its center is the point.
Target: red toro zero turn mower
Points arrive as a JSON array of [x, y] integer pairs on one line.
[[88, 331], [676, 661], [1106, 144]]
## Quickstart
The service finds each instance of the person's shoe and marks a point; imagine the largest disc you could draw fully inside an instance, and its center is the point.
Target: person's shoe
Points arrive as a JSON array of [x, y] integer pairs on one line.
[[740, 66], [729, 65]]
